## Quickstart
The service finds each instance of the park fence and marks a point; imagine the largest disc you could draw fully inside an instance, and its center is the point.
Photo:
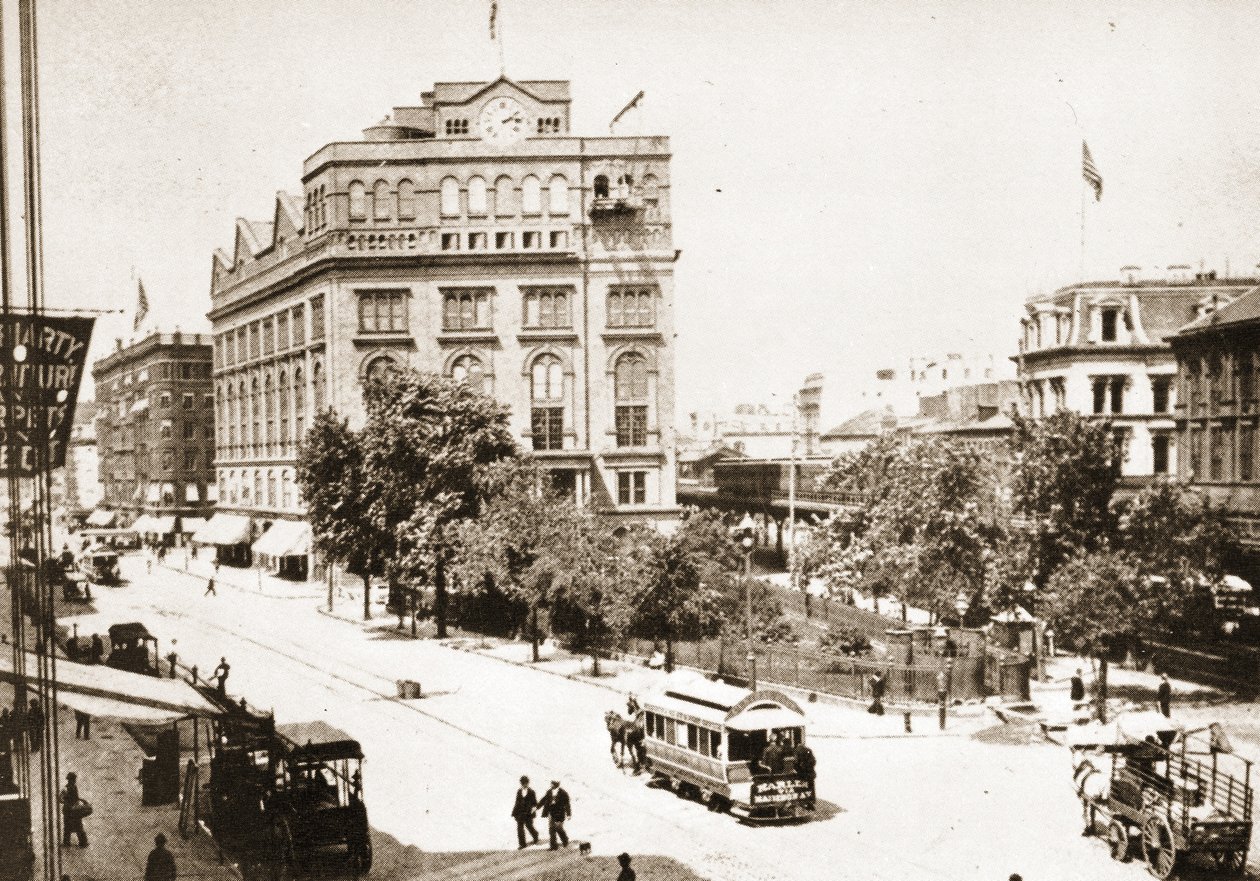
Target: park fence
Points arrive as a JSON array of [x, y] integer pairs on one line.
[[968, 678]]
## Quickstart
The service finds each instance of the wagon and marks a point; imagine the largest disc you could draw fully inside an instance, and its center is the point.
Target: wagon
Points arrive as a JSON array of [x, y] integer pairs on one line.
[[1164, 794]]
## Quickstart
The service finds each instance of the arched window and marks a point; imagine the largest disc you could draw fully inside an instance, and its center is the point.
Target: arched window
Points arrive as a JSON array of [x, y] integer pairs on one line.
[[476, 195], [630, 383], [255, 416], [406, 199], [601, 186], [283, 387], [269, 410], [229, 434], [258, 488], [358, 200], [558, 194], [242, 416], [651, 198], [467, 368], [531, 196], [504, 197], [299, 405], [450, 197], [547, 412], [380, 200], [271, 489], [319, 391], [379, 367]]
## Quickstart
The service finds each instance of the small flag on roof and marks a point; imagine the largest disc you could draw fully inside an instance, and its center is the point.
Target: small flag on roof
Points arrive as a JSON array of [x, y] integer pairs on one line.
[[1090, 172], [142, 305]]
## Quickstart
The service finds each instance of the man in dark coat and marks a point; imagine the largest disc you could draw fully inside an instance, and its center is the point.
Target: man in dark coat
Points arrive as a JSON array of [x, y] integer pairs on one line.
[[523, 813], [161, 864], [71, 818], [35, 725], [555, 807], [772, 755], [877, 694], [98, 648], [1078, 687], [1165, 695]]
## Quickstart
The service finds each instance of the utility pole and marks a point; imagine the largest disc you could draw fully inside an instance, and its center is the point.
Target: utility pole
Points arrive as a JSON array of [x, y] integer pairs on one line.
[[791, 524]]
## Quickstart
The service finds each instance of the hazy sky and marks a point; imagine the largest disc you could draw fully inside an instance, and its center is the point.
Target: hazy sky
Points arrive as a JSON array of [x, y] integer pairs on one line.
[[853, 183]]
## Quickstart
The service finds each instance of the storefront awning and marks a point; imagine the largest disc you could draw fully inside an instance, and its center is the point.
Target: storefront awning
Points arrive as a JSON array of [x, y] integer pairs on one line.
[[142, 525], [189, 525], [191, 494], [151, 495], [223, 529], [162, 525], [101, 518], [285, 538]]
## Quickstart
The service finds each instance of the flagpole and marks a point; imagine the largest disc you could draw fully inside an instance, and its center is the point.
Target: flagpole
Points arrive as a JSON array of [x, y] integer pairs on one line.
[[1083, 186]]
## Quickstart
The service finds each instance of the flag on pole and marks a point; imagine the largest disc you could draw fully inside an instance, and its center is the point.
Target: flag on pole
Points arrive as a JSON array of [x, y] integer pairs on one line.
[[494, 14], [634, 102], [142, 306], [1090, 172]]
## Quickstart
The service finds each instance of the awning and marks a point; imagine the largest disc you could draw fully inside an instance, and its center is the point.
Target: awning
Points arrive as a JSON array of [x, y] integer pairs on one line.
[[163, 525], [285, 538], [212, 492], [189, 525], [151, 495], [117, 693], [140, 404], [191, 494], [142, 525], [101, 518], [223, 529]]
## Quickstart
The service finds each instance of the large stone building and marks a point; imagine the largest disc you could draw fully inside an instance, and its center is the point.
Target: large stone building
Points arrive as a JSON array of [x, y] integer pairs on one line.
[[155, 432], [1100, 348], [472, 236]]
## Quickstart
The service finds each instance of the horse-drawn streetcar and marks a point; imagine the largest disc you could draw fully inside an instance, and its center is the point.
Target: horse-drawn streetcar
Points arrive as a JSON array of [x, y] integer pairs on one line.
[[1164, 794], [736, 750]]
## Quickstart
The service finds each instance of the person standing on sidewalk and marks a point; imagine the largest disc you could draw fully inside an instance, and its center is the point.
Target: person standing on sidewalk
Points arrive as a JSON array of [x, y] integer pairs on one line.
[[1077, 693], [1165, 695], [210, 591], [556, 808], [82, 725], [161, 863], [98, 648], [523, 813], [221, 673], [877, 693], [942, 694], [35, 725], [72, 814]]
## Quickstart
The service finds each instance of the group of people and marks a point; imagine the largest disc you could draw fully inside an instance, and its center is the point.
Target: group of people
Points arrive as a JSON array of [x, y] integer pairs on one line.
[[13, 725], [1163, 694], [94, 655], [779, 757], [554, 805]]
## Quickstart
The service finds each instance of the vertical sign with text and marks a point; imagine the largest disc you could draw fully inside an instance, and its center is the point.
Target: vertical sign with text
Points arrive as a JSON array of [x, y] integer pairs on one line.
[[41, 366]]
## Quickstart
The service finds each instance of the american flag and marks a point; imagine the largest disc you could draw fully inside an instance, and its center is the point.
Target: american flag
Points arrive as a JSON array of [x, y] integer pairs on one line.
[[1090, 172], [142, 306]]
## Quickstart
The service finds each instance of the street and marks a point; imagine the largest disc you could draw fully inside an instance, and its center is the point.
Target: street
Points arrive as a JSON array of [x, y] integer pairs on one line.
[[441, 771]]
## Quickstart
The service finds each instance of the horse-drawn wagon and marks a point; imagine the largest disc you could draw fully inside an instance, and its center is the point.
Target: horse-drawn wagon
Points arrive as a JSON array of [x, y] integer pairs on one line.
[[1165, 794]]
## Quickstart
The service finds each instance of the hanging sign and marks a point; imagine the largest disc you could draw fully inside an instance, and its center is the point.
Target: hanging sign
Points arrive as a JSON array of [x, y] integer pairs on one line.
[[41, 366]]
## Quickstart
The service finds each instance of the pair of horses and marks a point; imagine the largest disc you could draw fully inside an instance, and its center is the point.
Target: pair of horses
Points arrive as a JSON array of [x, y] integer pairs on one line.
[[626, 736]]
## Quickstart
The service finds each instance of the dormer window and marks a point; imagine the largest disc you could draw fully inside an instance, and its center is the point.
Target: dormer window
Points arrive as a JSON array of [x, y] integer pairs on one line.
[[1110, 320]]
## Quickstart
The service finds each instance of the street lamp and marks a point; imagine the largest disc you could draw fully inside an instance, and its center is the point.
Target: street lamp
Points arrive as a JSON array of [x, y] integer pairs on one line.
[[745, 529]]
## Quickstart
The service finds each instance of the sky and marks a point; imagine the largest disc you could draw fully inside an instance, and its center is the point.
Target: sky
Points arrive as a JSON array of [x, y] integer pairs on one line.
[[853, 183]]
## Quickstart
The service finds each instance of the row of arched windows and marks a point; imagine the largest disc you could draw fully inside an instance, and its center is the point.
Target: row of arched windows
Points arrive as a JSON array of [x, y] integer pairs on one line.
[[270, 488], [505, 196], [268, 416]]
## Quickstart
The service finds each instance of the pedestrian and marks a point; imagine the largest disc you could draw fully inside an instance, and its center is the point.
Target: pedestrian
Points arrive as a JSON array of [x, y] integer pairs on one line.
[[1078, 687], [210, 591], [634, 743], [35, 725], [772, 755], [98, 648], [626, 873], [523, 813], [82, 725], [221, 673], [6, 730], [72, 812], [806, 762], [556, 808], [161, 863], [942, 694], [173, 660], [877, 693], [1165, 695]]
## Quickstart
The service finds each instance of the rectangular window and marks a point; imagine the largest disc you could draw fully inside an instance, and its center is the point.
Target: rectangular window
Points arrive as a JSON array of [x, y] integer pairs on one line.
[[299, 326], [268, 336], [476, 241], [505, 241], [631, 425], [450, 241], [559, 238], [1246, 452], [190, 460], [282, 331], [317, 318], [466, 309], [166, 429], [1100, 395], [253, 340], [547, 428], [632, 306], [1159, 454], [1159, 393], [1246, 383], [1216, 453], [670, 736], [693, 738], [164, 400], [190, 430], [382, 312], [1117, 394], [631, 487], [532, 239], [547, 307], [189, 400], [1110, 318]]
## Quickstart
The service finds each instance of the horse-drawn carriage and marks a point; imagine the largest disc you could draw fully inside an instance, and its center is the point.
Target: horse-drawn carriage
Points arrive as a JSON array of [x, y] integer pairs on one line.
[[708, 740], [1164, 793]]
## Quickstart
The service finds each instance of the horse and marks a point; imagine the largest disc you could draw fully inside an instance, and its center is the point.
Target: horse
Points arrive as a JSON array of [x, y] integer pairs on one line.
[[626, 734]]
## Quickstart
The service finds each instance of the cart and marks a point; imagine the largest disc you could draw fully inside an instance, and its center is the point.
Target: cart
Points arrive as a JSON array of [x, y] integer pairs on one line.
[[1164, 794], [133, 648]]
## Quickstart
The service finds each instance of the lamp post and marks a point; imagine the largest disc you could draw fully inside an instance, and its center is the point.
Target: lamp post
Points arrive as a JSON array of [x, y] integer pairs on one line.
[[746, 527]]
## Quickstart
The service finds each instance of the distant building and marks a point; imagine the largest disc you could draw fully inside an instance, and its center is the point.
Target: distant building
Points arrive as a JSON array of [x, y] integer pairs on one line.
[[155, 432], [82, 471], [1100, 348], [754, 430]]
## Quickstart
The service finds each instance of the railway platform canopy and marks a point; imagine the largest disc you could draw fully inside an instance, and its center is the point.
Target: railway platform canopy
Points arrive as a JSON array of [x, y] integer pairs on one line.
[[118, 694]]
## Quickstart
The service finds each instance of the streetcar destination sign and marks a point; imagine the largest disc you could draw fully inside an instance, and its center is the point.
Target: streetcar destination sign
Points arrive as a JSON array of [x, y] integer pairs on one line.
[[41, 366], [777, 792]]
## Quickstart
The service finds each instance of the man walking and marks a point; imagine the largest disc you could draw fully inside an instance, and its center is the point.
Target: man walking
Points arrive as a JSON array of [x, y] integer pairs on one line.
[[523, 813], [72, 812], [555, 807], [942, 694], [1078, 687], [877, 694], [210, 591], [161, 863], [1165, 695], [82, 725], [221, 673]]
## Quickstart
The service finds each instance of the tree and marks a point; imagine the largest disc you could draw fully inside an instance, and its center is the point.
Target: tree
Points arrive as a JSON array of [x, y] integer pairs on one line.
[[688, 572], [1066, 468], [426, 442], [331, 475]]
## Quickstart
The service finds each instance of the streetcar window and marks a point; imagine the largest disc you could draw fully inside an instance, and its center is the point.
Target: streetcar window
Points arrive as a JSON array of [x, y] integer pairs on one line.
[[668, 735], [739, 747], [693, 738]]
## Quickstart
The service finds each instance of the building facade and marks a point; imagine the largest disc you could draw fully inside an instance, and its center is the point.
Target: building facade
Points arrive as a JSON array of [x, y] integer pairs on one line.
[[155, 431], [1100, 348], [475, 237], [81, 475]]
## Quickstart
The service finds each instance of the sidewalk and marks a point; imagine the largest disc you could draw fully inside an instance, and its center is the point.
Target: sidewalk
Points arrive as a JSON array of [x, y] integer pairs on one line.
[[252, 580]]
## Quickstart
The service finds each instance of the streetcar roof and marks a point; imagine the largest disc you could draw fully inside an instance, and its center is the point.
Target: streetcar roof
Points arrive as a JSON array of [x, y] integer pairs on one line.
[[688, 694], [765, 718]]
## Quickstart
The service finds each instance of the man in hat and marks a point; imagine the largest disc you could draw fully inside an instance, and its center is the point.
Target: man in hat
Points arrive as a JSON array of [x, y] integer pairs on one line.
[[1165, 695], [71, 812], [555, 807], [161, 864], [523, 813]]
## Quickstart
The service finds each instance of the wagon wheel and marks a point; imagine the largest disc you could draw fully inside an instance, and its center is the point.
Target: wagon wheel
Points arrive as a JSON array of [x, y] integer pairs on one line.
[[1158, 847], [1232, 861], [361, 855], [1118, 841]]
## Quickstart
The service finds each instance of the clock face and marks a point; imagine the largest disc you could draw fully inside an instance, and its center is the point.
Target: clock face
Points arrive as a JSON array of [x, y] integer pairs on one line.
[[503, 121]]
